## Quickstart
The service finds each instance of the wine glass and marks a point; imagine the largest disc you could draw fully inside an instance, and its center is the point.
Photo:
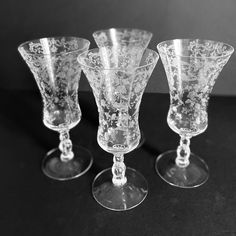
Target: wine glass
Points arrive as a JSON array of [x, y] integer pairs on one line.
[[192, 67], [126, 41], [53, 62], [118, 92]]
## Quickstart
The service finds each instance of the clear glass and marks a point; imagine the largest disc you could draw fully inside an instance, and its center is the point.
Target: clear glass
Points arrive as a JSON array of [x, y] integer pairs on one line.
[[192, 67], [118, 92], [53, 62], [125, 40]]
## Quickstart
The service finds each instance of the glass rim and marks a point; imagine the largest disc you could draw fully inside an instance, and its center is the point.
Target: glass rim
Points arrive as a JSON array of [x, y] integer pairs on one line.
[[117, 68], [121, 28], [230, 51], [86, 43]]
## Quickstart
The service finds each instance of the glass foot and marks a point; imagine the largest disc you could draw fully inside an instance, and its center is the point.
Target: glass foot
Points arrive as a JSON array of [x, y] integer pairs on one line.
[[120, 198], [54, 168], [194, 175]]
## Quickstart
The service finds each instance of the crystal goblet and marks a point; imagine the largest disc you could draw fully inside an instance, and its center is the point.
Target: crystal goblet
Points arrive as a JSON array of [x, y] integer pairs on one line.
[[53, 62], [118, 92], [192, 67], [128, 41]]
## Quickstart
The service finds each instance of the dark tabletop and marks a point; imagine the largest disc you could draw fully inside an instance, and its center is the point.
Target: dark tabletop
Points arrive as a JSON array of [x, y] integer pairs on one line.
[[31, 204]]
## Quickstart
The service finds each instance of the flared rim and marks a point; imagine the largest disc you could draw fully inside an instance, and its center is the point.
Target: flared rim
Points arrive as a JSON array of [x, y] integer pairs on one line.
[[85, 46], [115, 69], [230, 51], [150, 34]]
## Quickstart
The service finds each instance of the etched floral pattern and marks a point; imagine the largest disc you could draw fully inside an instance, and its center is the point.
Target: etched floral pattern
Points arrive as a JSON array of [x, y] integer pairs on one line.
[[192, 67], [127, 46], [122, 36], [118, 93], [53, 62]]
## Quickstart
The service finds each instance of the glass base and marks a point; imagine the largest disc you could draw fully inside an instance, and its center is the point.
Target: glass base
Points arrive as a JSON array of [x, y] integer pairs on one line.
[[194, 175], [119, 198], [54, 168]]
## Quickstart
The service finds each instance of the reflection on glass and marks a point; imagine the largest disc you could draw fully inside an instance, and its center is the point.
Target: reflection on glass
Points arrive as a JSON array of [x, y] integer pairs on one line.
[[128, 42], [53, 62], [192, 67], [118, 92]]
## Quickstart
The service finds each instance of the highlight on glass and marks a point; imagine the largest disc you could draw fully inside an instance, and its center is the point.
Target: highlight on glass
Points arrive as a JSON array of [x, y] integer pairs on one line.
[[128, 41], [192, 67], [122, 37], [53, 62], [118, 92]]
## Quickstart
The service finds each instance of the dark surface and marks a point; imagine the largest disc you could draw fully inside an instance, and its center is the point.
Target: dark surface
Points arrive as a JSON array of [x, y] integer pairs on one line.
[[33, 205]]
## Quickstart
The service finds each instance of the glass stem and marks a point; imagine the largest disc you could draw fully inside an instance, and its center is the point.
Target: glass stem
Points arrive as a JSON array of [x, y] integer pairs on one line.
[[183, 152], [65, 146], [118, 170]]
